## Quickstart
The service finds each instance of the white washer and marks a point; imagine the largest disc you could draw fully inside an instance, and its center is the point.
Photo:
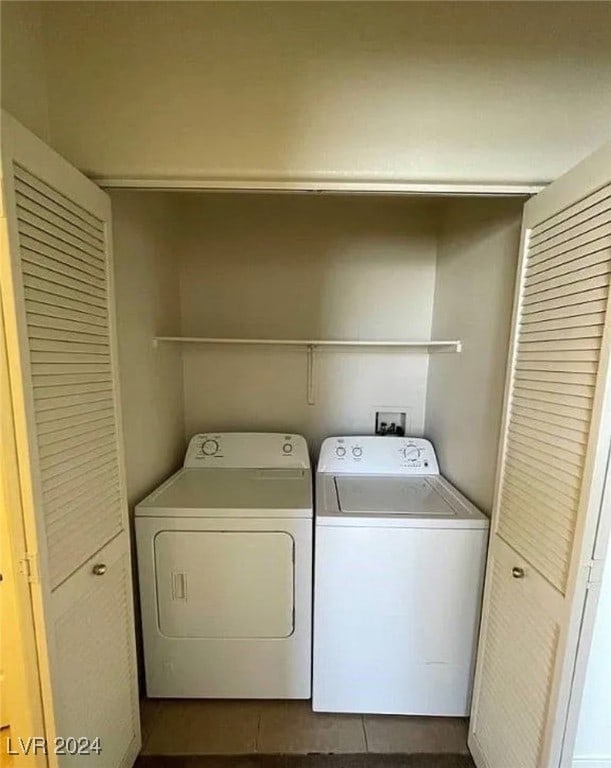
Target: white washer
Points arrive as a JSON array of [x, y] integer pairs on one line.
[[399, 566], [225, 566]]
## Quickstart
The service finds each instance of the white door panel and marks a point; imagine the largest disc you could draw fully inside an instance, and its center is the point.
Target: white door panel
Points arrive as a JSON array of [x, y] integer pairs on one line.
[[95, 675], [225, 584], [57, 299], [552, 465], [517, 662]]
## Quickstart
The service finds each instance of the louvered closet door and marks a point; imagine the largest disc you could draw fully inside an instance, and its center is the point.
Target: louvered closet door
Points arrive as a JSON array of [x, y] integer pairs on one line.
[[57, 299], [554, 452], [65, 286]]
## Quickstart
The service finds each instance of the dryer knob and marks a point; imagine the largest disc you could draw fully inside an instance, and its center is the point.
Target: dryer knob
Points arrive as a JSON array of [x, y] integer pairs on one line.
[[210, 447], [340, 451], [357, 452]]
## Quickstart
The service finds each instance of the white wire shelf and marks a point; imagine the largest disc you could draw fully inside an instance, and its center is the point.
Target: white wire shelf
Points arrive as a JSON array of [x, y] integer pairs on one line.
[[452, 345], [312, 345]]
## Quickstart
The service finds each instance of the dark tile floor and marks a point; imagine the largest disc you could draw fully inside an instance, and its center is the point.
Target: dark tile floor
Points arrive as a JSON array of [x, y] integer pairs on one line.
[[271, 728]]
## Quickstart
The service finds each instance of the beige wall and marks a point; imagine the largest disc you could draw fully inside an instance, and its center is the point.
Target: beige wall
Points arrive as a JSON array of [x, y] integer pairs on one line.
[[419, 91], [23, 86], [304, 267], [476, 266], [147, 298], [308, 266]]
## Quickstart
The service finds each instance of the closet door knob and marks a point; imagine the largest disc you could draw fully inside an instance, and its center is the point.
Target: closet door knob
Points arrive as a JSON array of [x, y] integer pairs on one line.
[[517, 572], [99, 569]]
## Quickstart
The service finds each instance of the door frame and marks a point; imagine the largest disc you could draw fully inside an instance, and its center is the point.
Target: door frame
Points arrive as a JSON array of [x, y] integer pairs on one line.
[[29, 717], [588, 622], [317, 183], [594, 515]]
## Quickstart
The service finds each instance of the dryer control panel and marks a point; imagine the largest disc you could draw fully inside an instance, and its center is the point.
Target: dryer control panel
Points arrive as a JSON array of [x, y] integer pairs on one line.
[[375, 455], [245, 450]]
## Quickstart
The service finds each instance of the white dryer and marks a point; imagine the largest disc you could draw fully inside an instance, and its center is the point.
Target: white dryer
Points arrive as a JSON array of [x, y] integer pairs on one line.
[[399, 567], [225, 567]]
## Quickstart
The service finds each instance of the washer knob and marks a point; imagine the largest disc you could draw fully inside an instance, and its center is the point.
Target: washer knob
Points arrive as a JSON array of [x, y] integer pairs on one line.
[[210, 447], [340, 451], [357, 452], [287, 448]]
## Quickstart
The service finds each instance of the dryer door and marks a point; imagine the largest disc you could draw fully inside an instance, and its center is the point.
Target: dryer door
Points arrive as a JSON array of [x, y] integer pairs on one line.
[[225, 584]]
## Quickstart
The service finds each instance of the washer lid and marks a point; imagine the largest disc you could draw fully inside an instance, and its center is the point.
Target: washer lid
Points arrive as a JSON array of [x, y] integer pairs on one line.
[[359, 494], [231, 492]]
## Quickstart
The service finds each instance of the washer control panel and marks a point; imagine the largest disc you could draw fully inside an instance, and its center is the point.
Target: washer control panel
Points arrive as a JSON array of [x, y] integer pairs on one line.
[[243, 450], [375, 455]]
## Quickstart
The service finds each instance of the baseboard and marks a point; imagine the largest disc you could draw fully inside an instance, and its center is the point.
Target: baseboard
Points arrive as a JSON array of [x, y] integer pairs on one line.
[[592, 762]]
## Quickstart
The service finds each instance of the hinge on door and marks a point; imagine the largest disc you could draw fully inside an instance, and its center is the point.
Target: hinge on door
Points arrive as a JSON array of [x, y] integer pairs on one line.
[[28, 567], [594, 571]]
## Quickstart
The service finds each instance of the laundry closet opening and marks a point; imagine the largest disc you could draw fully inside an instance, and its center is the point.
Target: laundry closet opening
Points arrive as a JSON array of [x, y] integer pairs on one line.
[[298, 266], [191, 267]]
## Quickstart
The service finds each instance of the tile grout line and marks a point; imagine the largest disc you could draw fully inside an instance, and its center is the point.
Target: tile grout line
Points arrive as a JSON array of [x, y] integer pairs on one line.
[[365, 733], [258, 729]]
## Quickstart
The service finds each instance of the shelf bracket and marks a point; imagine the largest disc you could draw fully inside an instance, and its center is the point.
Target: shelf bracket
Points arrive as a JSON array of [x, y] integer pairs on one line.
[[311, 350]]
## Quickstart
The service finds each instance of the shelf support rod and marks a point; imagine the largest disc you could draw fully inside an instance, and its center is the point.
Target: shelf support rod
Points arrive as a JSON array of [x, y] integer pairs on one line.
[[310, 376]]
